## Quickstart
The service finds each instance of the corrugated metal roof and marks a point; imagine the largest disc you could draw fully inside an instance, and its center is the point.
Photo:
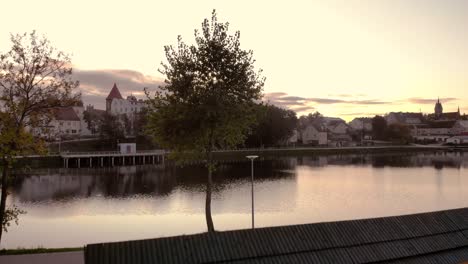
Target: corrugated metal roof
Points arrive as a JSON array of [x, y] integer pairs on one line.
[[419, 238]]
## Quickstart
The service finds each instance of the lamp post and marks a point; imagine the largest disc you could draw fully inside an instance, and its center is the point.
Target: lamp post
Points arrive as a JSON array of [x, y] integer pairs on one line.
[[251, 158]]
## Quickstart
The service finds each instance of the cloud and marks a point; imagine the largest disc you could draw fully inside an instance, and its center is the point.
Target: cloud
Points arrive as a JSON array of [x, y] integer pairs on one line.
[[96, 84], [362, 114], [418, 100], [275, 95], [303, 109], [292, 98], [289, 101]]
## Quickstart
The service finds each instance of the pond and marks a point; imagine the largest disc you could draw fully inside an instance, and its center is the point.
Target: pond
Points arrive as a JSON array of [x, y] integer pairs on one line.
[[74, 207]]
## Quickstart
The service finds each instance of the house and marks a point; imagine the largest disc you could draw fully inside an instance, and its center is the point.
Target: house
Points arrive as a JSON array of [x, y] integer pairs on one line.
[[66, 122], [457, 140], [361, 124], [313, 135], [433, 131], [337, 127], [409, 119], [460, 127]]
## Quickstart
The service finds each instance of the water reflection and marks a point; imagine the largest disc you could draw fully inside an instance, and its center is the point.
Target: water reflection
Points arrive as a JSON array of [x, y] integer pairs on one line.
[[438, 160], [122, 203], [121, 182]]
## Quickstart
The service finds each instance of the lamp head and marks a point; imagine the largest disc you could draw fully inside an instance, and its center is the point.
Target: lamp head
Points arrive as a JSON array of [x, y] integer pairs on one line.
[[251, 157]]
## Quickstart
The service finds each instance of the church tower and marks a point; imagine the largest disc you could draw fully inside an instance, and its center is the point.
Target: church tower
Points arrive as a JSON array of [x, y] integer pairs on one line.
[[438, 109]]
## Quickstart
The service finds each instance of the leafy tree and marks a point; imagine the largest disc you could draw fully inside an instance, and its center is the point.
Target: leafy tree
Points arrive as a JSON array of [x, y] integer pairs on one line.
[[315, 119], [139, 124], [35, 78], [379, 127], [110, 127], [93, 120], [398, 133], [208, 99], [275, 125]]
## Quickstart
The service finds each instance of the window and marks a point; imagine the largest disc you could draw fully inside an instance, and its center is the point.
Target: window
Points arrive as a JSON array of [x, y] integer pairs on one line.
[[73, 131]]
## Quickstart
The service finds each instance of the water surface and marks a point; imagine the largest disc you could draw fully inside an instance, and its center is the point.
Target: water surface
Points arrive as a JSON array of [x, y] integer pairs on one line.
[[74, 207]]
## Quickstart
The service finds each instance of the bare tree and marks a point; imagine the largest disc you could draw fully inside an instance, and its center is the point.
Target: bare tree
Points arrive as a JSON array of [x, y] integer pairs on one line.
[[35, 79]]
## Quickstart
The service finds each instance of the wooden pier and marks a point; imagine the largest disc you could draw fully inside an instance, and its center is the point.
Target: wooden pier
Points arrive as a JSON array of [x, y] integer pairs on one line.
[[112, 158]]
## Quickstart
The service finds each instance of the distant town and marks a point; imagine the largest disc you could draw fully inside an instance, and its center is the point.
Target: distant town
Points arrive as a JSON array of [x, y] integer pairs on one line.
[[128, 116]]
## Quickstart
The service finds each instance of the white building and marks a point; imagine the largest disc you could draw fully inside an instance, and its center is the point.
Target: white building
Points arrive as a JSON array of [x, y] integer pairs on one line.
[[460, 127], [66, 123], [117, 105], [409, 119], [361, 124], [311, 135]]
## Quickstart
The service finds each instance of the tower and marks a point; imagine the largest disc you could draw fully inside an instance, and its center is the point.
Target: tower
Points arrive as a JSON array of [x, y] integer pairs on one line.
[[114, 94], [438, 109]]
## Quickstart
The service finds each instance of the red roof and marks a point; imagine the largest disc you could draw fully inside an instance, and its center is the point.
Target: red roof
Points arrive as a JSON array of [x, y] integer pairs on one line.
[[66, 114], [114, 93]]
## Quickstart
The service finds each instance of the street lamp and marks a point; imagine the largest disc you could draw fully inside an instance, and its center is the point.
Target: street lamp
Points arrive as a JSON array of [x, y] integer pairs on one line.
[[251, 158]]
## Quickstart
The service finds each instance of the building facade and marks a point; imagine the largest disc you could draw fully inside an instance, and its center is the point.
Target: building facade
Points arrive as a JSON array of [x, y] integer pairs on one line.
[[117, 105]]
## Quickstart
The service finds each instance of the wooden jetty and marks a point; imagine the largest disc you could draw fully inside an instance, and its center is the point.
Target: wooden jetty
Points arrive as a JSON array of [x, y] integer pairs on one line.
[[436, 237], [112, 158]]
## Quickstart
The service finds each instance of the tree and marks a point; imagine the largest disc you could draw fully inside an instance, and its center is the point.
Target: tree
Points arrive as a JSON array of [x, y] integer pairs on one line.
[[399, 133], [110, 127], [208, 99], [379, 127], [93, 120], [275, 125], [315, 119], [35, 79]]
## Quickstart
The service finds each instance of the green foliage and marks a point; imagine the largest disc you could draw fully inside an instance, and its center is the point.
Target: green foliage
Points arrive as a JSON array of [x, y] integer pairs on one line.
[[275, 126], [11, 215], [38, 250], [208, 101], [93, 120], [315, 119], [110, 127], [35, 79], [398, 133], [379, 128]]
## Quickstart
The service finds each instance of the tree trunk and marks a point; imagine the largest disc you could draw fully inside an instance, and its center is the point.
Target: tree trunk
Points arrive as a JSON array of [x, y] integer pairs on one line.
[[209, 219], [4, 196]]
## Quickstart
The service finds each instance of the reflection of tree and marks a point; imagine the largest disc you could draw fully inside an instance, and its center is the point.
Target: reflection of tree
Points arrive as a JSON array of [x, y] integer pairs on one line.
[[61, 184], [129, 181], [438, 160]]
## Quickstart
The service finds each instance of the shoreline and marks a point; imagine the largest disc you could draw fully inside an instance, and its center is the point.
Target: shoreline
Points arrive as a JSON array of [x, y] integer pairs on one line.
[[55, 161]]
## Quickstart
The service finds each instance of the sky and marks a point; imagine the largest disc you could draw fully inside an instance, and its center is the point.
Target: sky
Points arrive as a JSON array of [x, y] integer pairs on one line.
[[343, 58]]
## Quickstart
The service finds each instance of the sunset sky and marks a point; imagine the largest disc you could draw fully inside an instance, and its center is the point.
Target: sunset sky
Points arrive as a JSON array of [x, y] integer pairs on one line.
[[342, 58]]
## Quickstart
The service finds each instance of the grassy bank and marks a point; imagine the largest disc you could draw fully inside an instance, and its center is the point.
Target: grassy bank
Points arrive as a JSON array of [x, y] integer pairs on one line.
[[22, 251]]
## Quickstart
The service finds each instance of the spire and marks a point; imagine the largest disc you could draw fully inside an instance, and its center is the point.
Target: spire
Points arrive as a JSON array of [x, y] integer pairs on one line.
[[114, 93]]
